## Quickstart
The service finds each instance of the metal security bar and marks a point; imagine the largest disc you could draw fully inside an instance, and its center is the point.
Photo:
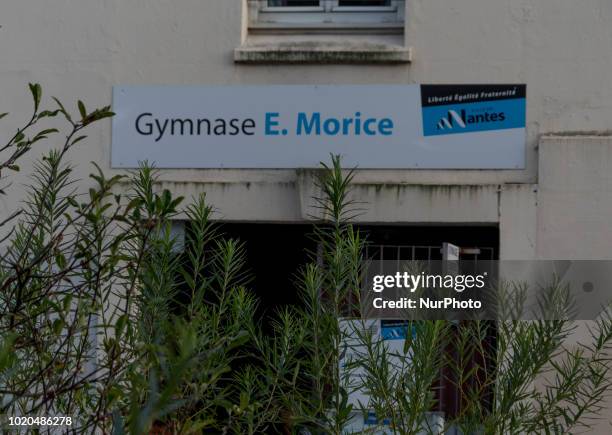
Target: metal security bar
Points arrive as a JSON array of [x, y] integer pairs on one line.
[[423, 253], [447, 391]]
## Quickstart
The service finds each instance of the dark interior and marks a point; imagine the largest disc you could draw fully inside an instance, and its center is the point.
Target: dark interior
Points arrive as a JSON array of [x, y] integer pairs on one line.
[[277, 251]]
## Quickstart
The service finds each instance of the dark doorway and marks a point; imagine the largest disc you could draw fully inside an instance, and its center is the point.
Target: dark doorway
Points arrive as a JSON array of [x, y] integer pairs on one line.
[[275, 252]]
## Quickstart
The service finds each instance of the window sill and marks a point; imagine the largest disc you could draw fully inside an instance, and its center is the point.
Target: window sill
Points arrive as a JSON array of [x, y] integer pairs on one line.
[[322, 53]]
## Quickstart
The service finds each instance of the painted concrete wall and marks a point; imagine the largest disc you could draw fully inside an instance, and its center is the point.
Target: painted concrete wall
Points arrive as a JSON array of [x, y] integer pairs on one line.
[[574, 210], [575, 198], [80, 49]]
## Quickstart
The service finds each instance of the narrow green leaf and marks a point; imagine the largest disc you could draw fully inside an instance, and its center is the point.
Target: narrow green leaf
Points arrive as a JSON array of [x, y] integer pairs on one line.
[[78, 139], [58, 325], [60, 260], [121, 322], [7, 351], [62, 109], [48, 131], [101, 115], [82, 110], [48, 113], [36, 91]]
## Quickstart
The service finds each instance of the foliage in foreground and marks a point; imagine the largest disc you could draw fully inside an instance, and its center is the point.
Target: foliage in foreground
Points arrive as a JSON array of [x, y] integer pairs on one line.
[[106, 316]]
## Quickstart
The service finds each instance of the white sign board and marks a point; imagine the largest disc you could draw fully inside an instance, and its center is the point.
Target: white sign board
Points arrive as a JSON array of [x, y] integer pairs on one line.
[[403, 126]]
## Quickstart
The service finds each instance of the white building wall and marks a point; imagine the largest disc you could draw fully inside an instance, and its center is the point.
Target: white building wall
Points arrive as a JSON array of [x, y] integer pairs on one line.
[[575, 198], [80, 49]]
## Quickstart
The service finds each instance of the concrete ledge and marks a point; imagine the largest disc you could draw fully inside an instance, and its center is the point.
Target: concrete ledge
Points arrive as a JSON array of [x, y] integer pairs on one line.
[[315, 53]]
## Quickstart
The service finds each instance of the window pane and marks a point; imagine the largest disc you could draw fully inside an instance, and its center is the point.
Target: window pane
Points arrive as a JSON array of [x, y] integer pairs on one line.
[[364, 3], [292, 3]]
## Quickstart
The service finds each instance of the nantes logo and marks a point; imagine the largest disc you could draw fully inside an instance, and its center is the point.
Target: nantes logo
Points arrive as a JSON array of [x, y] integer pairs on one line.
[[460, 119], [457, 109]]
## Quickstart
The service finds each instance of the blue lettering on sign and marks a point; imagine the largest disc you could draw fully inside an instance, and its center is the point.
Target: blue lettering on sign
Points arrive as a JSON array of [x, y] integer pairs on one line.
[[474, 117], [314, 124], [306, 125], [397, 331], [370, 419], [271, 122]]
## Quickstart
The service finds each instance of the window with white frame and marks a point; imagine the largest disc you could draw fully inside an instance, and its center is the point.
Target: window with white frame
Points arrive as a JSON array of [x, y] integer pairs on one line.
[[329, 13]]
